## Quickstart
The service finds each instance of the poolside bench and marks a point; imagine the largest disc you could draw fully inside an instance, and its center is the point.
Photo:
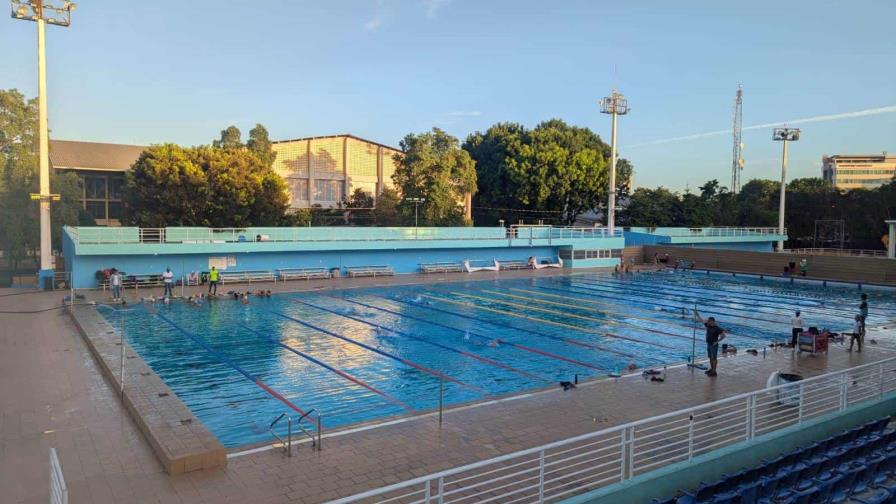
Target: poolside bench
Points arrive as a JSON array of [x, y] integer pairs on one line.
[[247, 276], [514, 265], [359, 271], [302, 273], [441, 267]]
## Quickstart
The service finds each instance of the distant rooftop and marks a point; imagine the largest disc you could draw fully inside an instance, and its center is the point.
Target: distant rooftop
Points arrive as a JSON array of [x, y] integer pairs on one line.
[[343, 135], [74, 155]]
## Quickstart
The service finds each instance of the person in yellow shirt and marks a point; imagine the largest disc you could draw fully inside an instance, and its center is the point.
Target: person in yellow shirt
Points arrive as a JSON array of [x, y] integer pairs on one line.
[[213, 281]]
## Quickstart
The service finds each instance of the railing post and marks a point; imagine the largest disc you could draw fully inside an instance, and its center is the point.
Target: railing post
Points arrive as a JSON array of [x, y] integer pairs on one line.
[[843, 391], [427, 491], [800, 412], [880, 380], [319, 447], [541, 476], [622, 463], [691, 437], [441, 490], [751, 417], [289, 436]]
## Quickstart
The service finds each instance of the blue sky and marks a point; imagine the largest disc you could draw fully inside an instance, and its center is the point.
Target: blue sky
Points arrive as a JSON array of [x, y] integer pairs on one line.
[[182, 71]]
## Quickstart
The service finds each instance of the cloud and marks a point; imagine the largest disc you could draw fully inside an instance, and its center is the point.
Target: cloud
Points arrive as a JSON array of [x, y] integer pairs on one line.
[[822, 118], [432, 7], [465, 113], [377, 20]]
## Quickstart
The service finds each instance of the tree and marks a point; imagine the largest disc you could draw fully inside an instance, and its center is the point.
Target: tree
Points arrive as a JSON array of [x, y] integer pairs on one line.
[[171, 185], [260, 144], [653, 208], [552, 168], [19, 177], [386, 212], [434, 167], [231, 138]]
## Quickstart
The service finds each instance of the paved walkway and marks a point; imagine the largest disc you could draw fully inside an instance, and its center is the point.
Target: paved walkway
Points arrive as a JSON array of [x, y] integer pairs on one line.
[[51, 395]]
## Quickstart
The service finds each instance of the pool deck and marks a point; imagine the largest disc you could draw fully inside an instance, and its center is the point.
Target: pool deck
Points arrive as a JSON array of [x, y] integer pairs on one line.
[[52, 394]]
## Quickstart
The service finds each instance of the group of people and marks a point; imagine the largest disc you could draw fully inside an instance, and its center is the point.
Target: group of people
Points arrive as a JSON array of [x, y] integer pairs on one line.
[[715, 334], [116, 281], [790, 269]]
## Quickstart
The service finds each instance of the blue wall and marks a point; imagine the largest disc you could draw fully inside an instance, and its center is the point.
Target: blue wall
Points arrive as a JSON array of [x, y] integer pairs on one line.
[[402, 261]]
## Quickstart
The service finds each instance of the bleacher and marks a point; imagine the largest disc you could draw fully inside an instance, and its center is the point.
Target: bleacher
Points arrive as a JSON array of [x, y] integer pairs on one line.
[[247, 276], [856, 466], [442, 267], [302, 273], [513, 265], [361, 271]]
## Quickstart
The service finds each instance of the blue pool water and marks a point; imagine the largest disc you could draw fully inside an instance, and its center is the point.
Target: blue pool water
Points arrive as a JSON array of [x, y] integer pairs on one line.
[[357, 355]]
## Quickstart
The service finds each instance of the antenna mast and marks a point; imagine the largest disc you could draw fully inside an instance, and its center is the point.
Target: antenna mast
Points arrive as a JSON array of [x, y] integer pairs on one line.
[[737, 161]]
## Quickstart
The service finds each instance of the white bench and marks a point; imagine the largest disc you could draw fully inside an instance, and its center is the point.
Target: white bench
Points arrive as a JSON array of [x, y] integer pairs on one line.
[[302, 273], [441, 267], [359, 271], [246, 276], [514, 265]]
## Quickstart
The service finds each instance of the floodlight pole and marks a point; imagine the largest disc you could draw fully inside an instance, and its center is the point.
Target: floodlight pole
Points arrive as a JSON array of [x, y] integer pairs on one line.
[[783, 135], [616, 105], [34, 11]]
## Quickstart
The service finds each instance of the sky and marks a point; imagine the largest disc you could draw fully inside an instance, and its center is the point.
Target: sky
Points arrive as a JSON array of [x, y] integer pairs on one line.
[[175, 71]]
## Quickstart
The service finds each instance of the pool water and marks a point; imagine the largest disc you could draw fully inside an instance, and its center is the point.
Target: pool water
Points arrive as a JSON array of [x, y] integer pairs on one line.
[[358, 355]]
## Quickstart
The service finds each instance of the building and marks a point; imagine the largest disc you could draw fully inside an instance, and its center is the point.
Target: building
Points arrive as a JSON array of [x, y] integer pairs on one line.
[[101, 167], [858, 171], [325, 170]]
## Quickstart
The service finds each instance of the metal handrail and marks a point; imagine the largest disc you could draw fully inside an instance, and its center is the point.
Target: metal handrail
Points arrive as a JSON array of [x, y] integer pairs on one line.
[[623, 450], [837, 252], [287, 445], [58, 489]]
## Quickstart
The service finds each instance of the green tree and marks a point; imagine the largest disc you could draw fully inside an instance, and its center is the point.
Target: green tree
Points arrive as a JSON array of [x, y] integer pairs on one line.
[[387, 208], [554, 167], [230, 138], [260, 144], [19, 177], [653, 208], [434, 167], [171, 185]]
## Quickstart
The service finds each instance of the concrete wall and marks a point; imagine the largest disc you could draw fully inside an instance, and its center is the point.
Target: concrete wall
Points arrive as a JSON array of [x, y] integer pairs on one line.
[[852, 269], [667, 481]]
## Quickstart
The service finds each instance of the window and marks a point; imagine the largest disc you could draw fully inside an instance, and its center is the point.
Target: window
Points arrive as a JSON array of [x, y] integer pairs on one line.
[[298, 189], [115, 185], [327, 190], [115, 210], [95, 187], [97, 209]]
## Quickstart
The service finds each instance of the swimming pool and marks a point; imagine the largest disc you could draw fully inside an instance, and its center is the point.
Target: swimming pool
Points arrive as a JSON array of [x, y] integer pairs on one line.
[[365, 354]]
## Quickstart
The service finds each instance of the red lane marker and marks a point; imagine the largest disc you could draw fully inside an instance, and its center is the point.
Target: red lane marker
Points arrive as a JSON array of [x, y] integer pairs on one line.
[[279, 397]]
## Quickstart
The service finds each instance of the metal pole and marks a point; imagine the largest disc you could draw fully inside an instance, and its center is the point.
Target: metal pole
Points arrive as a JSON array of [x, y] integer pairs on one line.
[[611, 204], [121, 334], [319, 447], [694, 341], [441, 394], [46, 260], [783, 191], [289, 436]]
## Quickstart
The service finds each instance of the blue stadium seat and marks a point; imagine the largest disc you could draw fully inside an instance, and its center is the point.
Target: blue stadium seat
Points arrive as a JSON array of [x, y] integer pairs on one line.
[[840, 487], [886, 468]]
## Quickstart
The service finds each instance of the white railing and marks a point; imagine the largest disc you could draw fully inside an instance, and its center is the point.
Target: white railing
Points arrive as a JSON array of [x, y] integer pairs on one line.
[[837, 252], [715, 231], [58, 490], [617, 454]]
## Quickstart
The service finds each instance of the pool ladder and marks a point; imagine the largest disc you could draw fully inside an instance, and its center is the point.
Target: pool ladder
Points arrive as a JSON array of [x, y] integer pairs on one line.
[[287, 444]]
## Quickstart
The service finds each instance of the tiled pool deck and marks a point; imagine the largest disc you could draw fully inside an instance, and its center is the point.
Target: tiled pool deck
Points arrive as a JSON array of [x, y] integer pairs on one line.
[[52, 394]]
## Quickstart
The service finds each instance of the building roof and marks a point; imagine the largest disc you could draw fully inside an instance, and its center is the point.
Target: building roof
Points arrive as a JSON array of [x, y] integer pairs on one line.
[[396, 149], [67, 154]]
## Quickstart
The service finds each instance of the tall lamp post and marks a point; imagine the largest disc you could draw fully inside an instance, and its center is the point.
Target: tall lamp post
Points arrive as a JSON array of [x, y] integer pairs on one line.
[[43, 13], [417, 202], [784, 135], [616, 105]]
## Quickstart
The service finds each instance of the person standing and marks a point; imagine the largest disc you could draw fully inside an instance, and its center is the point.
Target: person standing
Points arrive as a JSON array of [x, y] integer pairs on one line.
[[168, 280], [804, 266], [213, 281], [863, 309], [714, 334], [796, 323], [115, 282], [858, 333]]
